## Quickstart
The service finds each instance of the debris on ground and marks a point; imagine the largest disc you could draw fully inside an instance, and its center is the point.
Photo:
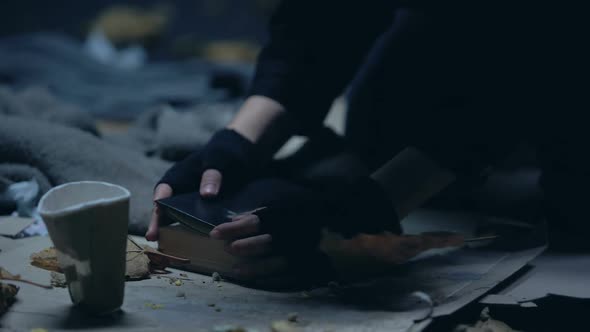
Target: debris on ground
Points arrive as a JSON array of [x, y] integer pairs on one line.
[[292, 317], [211, 304], [46, 259], [180, 294], [485, 324], [154, 306], [5, 275], [7, 296], [283, 326], [218, 309], [178, 282], [216, 277], [184, 275], [137, 262], [58, 280]]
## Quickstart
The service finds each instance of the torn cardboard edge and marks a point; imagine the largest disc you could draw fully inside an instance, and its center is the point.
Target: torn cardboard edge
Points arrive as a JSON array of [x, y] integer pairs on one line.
[[561, 274], [511, 263]]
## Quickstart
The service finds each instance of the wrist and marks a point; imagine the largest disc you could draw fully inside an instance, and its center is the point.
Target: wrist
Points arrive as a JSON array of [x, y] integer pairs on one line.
[[256, 116]]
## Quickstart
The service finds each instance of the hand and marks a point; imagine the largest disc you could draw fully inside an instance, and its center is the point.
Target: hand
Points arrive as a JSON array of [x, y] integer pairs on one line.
[[288, 232], [162, 190], [264, 266], [228, 157], [244, 239]]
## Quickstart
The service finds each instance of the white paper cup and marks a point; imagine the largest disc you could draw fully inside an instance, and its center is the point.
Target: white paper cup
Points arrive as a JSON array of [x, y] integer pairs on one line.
[[87, 222]]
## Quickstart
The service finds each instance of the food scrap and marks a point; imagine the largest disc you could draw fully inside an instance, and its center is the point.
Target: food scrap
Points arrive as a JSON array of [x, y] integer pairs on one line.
[[58, 280], [154, 306]]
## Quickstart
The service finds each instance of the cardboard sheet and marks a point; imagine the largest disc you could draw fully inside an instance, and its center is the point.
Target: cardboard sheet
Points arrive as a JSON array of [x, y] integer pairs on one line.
[[550, 274], [386, 304]]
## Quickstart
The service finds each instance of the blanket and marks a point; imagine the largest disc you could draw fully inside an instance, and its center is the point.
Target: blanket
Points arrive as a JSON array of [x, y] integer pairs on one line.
[[63, 154]]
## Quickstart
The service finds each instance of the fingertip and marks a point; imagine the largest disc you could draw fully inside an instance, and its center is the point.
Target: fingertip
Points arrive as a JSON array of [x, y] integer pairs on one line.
[[215, 234], [209, 190], [151, 234]]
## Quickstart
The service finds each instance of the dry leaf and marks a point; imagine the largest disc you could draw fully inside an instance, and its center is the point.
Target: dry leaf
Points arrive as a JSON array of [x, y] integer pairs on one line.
[[138, 263], [137, 266], [377, 252], [46, 259], [5, 275]]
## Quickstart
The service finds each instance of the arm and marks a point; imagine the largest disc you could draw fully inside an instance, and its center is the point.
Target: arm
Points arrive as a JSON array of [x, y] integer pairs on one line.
[[315, 48]]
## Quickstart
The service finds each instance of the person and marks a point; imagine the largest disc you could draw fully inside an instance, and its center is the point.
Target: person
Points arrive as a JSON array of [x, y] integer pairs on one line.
[[434, 99]]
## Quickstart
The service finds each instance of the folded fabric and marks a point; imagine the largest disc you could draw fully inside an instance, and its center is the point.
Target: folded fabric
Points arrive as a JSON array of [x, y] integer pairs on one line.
[[61, 64], [65, 154]]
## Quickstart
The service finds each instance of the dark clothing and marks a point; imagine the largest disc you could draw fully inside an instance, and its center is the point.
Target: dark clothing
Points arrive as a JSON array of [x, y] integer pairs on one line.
[[463, 82]]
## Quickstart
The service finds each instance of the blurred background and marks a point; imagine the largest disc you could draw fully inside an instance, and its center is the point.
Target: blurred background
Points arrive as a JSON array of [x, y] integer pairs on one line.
[[174, 28], [166, 74], [116, 91]]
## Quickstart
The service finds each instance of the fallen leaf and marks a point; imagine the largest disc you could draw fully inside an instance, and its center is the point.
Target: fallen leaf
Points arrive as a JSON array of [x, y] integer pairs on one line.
[[46, 259], [137, 262], [374, 252], [5, 275]]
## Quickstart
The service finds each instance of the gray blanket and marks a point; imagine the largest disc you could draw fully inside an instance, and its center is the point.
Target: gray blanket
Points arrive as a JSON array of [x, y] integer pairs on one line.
[[61, 154], [60, 63]]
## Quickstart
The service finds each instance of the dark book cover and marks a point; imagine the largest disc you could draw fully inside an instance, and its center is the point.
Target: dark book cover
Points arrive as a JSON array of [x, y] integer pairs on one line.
[[203, 214]]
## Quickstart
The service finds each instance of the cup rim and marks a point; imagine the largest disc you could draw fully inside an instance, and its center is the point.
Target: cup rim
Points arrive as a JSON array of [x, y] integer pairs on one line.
[[125, 195]]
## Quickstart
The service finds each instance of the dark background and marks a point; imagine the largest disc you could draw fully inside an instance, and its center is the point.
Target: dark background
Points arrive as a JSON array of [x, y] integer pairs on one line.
[[198, 21]]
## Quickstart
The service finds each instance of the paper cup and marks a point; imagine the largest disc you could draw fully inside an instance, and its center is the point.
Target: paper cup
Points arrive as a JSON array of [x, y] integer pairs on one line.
[[87, 222]]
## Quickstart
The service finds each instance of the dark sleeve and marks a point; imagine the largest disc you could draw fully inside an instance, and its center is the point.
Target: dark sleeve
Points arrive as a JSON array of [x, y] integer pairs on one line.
[[314, 50]]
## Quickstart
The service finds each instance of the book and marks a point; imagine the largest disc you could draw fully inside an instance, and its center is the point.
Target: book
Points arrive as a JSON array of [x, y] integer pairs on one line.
[[192, 218], [206, 255], [194, 212]]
